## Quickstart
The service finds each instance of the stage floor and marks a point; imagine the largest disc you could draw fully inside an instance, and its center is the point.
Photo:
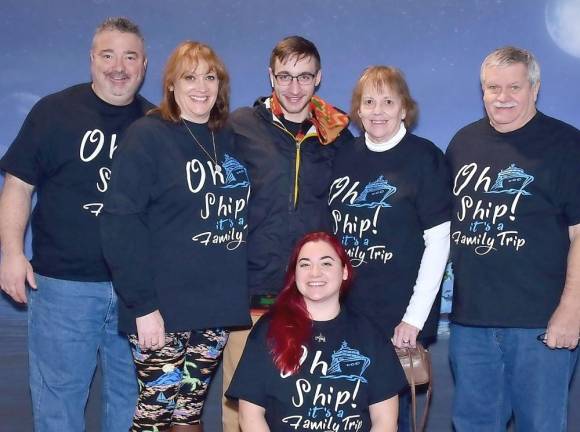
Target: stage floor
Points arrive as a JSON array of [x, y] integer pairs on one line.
[[15, 411]]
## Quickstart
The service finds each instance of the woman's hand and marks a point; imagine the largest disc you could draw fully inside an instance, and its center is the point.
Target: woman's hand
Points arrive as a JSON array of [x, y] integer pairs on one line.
[[405, 335], [151, 331]]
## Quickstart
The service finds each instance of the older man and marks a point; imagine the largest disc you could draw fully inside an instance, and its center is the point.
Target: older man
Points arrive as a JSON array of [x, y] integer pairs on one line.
[[63, 152], [516, 252]]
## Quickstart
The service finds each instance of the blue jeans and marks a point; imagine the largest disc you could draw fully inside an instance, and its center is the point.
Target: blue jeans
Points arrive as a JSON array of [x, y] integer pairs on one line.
[[500, 372], [70, 324]]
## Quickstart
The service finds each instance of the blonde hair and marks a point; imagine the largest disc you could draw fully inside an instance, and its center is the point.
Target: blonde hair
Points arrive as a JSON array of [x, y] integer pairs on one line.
[[381, 77]]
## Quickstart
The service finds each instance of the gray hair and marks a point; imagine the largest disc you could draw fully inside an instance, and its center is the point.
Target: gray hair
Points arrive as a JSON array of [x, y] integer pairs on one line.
[[120, 24], [511, 55]]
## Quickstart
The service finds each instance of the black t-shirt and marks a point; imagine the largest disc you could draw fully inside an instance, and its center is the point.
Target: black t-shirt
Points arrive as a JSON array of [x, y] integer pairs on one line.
[[174, 227], [348, 366], [64, 149], [296, 128], [380, 204], [515, 195]]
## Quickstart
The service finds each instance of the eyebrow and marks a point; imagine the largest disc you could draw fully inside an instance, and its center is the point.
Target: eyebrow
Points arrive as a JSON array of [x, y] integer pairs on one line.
[[321, 258], [190, 72], [285, 72], [110, 50], [509, 83]]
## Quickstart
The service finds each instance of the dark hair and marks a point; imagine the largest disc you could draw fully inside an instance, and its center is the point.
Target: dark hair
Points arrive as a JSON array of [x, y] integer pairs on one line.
[[291, 324], [120, 24], [294, 46], [183, 60], [379, 77]]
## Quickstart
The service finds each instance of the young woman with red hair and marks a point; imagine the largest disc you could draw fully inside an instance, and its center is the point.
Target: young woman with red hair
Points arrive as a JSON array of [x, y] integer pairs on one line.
[[312, 364]]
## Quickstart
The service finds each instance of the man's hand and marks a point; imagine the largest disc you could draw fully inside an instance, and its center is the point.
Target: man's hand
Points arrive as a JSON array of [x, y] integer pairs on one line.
[[563, 328], [564, 325], [151, 331], [15, 271]]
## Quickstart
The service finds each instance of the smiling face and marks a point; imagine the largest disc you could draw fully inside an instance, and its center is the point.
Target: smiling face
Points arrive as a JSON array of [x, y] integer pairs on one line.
[[195, 92], [508, 96], [118, 65], [319, 275], [381, 112], [295, 97]]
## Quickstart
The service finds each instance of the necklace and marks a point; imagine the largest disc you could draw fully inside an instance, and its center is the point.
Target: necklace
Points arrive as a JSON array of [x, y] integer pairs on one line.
[[214, 159]]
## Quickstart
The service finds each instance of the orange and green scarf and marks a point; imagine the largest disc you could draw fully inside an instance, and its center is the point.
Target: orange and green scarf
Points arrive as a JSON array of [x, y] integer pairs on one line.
[[328, 121]]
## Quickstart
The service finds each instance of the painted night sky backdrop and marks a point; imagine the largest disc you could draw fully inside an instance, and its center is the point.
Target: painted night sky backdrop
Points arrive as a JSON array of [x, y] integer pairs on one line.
[[439, 44]]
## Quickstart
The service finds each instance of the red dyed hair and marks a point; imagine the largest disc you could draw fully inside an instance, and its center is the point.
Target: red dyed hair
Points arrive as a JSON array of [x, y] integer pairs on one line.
[[291, 324]]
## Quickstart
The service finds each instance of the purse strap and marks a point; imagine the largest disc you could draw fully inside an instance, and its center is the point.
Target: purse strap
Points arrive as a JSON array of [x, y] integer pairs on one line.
[[414, 396]]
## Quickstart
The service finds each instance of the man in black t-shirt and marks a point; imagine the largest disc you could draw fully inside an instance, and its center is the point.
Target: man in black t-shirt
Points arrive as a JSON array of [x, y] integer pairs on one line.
[[63, 153], [515, 241]]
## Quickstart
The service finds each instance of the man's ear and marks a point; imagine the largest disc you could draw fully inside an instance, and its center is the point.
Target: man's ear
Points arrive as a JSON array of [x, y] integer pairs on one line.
[[271, 74], [318, 78], [536, 90]]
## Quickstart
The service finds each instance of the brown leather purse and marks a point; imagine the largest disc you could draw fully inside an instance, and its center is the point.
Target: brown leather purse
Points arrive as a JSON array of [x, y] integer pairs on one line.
[[416, 363]]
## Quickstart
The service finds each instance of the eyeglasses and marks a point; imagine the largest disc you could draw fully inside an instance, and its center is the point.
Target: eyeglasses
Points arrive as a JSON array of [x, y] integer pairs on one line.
[[304, 79]]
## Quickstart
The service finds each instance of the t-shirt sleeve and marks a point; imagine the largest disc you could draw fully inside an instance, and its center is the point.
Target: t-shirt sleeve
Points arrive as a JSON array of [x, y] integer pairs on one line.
[[124, 231], [24, 158], [250, 380], [434, 193], [386, 376], [569, 183]]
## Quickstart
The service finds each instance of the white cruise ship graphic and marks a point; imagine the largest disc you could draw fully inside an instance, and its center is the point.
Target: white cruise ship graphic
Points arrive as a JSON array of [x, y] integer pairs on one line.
[[375, 194], [236, 173], [512, 180], [348, 363]]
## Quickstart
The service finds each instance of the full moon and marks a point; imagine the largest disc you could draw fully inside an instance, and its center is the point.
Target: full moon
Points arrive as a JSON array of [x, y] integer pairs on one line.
[[563, 23]]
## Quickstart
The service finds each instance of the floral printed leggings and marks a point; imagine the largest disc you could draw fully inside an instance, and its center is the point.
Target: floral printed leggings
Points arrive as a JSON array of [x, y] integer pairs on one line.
[[174, 380]]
